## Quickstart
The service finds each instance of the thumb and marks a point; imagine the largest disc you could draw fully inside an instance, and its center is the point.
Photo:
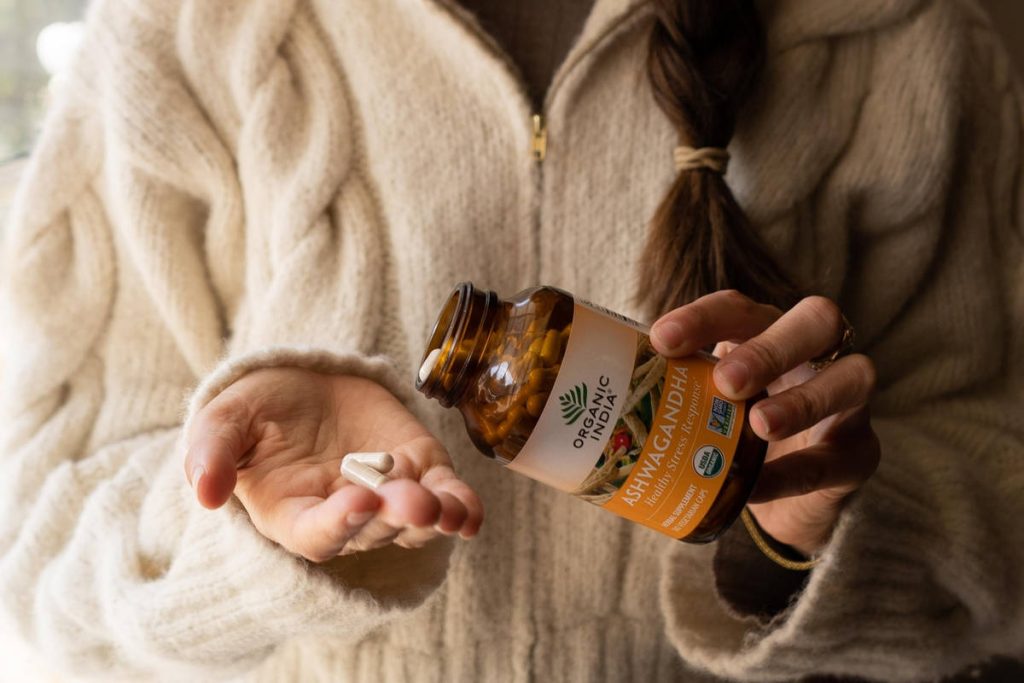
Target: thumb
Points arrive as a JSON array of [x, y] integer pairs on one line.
[[219, 436]]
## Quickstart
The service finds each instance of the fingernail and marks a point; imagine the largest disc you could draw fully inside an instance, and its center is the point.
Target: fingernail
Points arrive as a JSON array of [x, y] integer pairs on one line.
[[771, 416], [669, 333], [437, 528], [359, 518], [197, 473], [735, 375]]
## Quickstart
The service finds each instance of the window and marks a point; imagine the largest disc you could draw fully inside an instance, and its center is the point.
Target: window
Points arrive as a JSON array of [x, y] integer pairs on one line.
[[37, 38]]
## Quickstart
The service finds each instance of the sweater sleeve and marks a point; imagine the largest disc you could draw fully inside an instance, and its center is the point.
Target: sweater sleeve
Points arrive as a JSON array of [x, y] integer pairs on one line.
[[922, 575], [132, 263]]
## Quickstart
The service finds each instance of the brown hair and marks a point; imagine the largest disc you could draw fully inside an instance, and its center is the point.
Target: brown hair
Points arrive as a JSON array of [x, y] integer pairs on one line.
[[703, 59]]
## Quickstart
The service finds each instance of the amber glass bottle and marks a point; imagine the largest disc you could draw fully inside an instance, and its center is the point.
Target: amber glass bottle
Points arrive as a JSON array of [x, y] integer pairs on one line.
[[574, 395]]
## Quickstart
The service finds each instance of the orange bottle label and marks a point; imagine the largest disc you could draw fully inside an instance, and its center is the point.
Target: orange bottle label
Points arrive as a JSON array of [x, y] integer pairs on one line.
[[642, 436], [688, 451]]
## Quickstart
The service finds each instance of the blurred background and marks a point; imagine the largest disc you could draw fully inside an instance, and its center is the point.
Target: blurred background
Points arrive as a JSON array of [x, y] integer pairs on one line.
[[39, 37]]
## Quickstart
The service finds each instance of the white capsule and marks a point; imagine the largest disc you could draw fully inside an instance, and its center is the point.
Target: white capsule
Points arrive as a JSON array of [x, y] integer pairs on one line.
[[378, 460], [364, 475], [428, 364]]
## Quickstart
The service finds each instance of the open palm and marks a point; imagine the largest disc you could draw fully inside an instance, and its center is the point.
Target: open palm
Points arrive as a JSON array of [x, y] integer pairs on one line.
[[276, 438]]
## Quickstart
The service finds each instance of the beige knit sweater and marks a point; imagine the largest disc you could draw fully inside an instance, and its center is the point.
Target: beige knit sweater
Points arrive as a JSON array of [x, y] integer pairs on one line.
[[243, 183]]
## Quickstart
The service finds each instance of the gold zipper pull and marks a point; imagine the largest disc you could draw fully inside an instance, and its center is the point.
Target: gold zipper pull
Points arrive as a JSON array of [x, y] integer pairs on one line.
[[539, 145]]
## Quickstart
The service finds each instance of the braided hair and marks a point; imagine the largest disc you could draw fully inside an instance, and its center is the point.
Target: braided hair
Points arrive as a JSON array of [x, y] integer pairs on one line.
[[704, 58]]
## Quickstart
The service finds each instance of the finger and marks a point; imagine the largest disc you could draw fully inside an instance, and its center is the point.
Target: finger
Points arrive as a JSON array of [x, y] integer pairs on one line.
[[721, 316], [417, 537], [805, 331], [371, 537], [219, 437], [474, 508], [453, 516], [405, 504], [453, 513], [853, 425], [443, 479], [318, 528], [825, 469], [845, 384]]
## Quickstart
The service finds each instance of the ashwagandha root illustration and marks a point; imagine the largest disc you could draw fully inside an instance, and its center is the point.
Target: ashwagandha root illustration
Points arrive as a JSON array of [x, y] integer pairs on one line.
[[630, 432]]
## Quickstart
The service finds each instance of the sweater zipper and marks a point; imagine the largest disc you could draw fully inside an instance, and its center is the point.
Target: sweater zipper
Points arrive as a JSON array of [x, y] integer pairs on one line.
[[538, 119], [539, 142], [538, 150]]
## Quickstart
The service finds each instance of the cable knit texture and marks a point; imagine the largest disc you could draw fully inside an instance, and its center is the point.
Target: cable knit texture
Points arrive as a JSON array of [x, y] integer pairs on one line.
[[229, 185]]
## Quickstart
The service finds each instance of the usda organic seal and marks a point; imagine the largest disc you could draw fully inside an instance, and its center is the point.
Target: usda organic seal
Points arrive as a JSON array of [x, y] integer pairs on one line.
[[708, 461]]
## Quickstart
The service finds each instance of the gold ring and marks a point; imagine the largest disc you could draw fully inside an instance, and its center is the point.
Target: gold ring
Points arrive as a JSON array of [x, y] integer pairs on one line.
[[842, 348]]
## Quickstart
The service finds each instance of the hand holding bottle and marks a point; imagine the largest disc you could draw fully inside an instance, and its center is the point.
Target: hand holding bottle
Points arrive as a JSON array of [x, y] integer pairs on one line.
[[821, 445], [276, 439]]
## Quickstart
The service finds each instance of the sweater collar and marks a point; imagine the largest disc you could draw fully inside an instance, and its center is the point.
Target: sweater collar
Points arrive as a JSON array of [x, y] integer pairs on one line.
[[787, 21], [605, 18]]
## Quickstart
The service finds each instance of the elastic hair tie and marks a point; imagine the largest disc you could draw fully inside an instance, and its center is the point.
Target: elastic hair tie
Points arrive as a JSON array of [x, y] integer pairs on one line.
[[762, 544], [712, 158]]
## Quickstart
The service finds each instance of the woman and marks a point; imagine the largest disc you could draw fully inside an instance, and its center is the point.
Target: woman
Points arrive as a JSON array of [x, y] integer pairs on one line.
[[260, 205]]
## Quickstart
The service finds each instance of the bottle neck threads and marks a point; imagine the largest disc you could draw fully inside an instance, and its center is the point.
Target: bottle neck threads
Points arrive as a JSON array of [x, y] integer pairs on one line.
[[459, 339]]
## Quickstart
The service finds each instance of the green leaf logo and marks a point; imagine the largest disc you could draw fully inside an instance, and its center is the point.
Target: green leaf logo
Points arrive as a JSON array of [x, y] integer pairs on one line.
[[573, 402]]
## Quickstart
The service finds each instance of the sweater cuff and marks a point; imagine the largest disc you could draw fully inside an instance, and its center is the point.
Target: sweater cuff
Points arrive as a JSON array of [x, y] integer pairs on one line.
[[750, 583], [718, 620], [377, 368], [891, 596], [246, 595]]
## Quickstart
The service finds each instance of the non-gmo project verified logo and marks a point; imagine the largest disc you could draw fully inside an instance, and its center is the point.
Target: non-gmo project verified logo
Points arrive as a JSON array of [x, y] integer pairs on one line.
[[721, 418], [573, 403]]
